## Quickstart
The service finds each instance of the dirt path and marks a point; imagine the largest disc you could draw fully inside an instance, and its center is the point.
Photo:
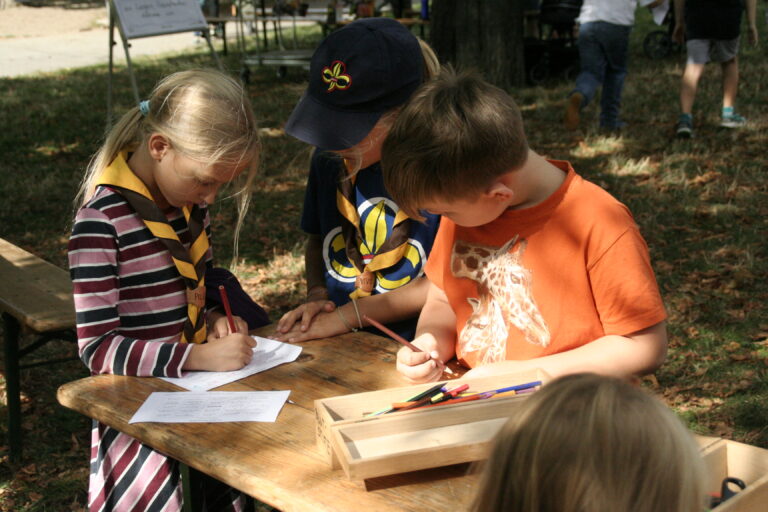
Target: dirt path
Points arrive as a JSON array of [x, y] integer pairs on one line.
[[19, 21]]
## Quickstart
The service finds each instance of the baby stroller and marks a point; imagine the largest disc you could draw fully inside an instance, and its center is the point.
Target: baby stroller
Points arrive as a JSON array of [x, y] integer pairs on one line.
[[554, 52]]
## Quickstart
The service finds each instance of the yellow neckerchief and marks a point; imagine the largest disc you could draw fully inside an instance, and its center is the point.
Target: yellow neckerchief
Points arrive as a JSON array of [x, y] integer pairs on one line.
[[388, 254], [190, 264]]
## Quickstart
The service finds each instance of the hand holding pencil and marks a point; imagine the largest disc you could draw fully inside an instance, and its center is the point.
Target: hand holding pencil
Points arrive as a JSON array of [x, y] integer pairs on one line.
[[222, 322], [416, 364]]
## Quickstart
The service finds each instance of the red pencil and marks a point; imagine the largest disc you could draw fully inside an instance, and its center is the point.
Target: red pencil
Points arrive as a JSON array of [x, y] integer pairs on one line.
[[392, 334], [225, 302]]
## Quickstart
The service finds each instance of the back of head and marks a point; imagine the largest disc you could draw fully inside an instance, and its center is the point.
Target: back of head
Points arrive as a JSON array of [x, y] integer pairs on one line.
[[592, 443], [205, 114], [453, 138]]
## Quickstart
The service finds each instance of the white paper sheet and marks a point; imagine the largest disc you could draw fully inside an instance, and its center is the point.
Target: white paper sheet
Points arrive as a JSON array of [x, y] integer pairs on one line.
[[211, 406], [267, 354], [660, 12]]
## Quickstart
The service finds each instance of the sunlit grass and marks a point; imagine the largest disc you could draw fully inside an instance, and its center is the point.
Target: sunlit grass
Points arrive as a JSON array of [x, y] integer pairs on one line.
[[702, 206]]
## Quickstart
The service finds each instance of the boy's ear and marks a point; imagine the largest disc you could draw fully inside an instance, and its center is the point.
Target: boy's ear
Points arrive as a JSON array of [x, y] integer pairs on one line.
[[499, 191], [158, 145]]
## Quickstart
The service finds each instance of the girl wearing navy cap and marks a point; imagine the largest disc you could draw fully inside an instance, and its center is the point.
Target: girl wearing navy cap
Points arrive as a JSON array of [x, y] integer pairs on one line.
[[363, 255]]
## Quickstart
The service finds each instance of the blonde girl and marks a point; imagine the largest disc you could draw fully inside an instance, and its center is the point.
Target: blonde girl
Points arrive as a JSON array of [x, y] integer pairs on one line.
[[138, 257], [589, 442]]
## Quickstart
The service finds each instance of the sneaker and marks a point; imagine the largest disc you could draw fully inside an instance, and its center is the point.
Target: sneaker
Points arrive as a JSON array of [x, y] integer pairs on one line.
[[733, 120], [684, 128], [573, 111]]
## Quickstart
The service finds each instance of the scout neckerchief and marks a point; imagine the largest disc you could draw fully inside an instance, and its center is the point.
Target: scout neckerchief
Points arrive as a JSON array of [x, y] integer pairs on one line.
[[386, 255], [190, 264]]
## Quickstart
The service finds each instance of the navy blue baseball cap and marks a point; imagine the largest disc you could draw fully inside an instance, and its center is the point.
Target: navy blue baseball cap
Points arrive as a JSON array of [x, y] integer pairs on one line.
[[358, 73]]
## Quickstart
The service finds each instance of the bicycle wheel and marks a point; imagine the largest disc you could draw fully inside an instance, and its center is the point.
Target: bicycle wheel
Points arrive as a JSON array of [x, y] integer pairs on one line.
[[657, 44]]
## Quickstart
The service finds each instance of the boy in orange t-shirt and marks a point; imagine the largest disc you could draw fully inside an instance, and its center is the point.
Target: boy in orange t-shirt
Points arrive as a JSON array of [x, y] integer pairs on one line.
[[533, 266]]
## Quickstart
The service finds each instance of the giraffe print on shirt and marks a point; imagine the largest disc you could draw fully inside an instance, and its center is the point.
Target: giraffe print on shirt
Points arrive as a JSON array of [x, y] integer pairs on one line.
[[505, 298]]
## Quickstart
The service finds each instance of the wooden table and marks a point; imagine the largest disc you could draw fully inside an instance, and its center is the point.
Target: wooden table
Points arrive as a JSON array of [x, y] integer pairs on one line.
[[279, 463]]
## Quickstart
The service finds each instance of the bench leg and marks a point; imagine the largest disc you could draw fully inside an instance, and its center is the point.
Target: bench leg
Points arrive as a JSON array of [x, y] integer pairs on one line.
[[12, 332]]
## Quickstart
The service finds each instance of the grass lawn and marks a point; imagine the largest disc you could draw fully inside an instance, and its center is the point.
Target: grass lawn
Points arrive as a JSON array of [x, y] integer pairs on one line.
[[702, 206]]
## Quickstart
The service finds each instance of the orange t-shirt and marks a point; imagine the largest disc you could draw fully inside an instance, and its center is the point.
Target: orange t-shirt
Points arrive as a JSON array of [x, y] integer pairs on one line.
[[575, 268]]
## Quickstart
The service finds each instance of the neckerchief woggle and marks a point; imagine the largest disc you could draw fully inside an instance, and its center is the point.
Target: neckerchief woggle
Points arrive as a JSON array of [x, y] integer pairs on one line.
[[190, 264], [385, 255]]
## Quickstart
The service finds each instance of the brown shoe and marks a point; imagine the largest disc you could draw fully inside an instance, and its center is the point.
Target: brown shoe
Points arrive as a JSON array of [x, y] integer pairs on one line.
[[572, 111]]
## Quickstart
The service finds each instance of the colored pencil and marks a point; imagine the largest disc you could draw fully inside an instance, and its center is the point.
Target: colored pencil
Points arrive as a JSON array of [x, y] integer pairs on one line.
[[518, 387], [469, 398], [427, 392], [392, 334], [225, 303], [447, 395]]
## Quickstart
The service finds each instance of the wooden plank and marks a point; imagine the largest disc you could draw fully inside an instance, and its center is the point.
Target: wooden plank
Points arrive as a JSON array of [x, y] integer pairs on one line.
[[278, 463], [34, 291]]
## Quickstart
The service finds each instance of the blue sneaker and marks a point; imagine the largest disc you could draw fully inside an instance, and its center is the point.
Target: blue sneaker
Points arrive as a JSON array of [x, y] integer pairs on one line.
[[684, 127], [732, 120]]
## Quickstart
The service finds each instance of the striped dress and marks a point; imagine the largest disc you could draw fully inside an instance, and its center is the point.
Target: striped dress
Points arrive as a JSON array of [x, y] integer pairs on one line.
[[130, 303]]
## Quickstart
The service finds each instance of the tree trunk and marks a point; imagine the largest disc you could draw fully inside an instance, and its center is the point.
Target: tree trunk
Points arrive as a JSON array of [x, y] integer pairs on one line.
[[486, 35]]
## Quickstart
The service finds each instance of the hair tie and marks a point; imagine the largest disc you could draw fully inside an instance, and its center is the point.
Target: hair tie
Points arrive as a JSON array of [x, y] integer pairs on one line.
[[144, 107]]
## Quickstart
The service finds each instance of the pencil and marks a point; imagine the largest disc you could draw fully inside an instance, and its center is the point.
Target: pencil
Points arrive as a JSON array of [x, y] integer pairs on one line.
[[225, 302], [470, 398], [427, 392], [392, 334]]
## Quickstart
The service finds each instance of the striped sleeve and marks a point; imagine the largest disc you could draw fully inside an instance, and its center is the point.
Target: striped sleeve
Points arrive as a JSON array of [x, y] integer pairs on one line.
[[104, 345]]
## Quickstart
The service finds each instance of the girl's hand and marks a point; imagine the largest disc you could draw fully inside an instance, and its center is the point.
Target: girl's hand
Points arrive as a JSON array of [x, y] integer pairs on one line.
[[228, 353], [304, 315], [218, 325], [419, 367]]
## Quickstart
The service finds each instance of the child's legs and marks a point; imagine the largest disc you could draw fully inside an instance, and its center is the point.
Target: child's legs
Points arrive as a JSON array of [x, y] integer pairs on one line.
[[730, 81], [698, 56], [593, 61], [726, 53], [617, 51]]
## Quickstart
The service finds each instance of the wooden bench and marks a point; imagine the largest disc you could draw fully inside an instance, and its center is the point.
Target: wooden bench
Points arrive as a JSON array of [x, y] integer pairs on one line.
[[35, 301]]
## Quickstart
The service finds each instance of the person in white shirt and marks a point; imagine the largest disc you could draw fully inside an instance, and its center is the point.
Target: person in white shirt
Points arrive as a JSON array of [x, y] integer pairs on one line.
[[603, 52]]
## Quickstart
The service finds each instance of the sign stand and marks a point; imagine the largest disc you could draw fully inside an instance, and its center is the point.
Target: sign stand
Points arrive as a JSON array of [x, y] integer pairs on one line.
[[146, 18]]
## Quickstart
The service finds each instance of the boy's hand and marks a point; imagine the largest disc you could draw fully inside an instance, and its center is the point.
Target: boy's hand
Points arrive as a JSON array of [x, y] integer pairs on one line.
[[225, 354], [304, 315], [678, 34], [753, 35], [419, 367], [218, 326]]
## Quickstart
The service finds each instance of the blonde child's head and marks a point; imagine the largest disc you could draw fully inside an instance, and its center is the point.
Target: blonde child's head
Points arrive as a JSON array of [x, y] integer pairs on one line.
[[204, 114], [592, 443], [454, 137]]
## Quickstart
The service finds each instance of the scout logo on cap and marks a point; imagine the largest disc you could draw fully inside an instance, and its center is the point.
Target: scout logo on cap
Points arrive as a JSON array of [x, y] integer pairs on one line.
[[334, 76]]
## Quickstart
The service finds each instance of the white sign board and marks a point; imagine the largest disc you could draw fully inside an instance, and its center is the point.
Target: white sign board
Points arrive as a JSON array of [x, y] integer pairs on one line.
[[144, 18]]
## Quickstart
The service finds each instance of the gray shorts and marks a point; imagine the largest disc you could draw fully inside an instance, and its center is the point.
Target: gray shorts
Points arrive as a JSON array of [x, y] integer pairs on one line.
[[701, 51]]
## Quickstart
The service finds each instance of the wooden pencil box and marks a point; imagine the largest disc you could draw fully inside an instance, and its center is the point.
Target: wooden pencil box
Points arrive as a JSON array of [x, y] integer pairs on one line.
[[724, 458], [371, 446]]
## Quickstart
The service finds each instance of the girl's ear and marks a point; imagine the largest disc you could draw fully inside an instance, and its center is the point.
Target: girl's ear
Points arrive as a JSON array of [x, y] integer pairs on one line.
[[158, 145]]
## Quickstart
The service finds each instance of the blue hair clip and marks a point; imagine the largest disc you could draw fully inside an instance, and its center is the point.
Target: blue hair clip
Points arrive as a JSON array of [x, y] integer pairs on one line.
[[144, 107]]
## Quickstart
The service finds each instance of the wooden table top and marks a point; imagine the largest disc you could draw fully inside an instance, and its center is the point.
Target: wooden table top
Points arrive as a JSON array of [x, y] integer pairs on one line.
[[279, 463]]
